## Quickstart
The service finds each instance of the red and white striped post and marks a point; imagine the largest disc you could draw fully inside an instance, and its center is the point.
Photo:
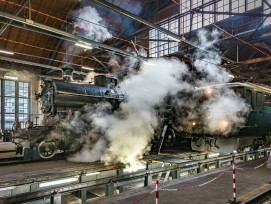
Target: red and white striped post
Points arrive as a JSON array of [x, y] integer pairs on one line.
[[156, 191], [233, 182]]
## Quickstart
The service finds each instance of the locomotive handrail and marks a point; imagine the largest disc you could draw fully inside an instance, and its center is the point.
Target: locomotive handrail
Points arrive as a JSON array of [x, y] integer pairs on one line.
[[118, 96]]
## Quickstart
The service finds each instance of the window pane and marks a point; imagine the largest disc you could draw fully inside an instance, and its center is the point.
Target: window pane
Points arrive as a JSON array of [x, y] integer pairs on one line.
[[10, 88], [9, 120], [23, 105], [23, 89], [23, 119], [19, 95], [9, 105], [163, 47]]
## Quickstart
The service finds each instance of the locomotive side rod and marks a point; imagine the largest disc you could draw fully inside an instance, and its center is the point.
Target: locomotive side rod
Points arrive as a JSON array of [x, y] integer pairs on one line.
[[161, 140]]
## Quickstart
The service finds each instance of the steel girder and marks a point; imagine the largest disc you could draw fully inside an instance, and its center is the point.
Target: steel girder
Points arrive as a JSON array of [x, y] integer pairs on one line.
[[151, 25]]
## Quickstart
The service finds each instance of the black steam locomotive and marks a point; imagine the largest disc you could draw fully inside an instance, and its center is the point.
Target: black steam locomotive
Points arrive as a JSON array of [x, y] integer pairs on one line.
[[58, 98]]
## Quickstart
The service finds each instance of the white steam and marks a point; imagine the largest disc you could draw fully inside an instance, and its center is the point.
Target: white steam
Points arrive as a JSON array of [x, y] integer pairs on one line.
[[89, 20], [124, 135], [131, 129], [208, 61], [224, 111], [128, 66], [129, 136]]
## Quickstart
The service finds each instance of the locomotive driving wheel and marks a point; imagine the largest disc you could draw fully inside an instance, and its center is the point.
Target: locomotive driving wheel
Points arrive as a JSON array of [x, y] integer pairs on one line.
[[46, 149]]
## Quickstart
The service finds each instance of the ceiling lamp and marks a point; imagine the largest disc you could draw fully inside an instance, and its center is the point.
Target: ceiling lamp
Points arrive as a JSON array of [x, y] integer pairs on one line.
[[6, 52], [88, 68], [172, 38], [84, 45], [10, 77]]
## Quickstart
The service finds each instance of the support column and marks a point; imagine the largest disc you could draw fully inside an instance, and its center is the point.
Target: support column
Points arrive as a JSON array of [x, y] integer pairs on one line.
[[245, 157], [109, 189], [120, 172], [148, 176], [83, 195], [175, 173], [55, 198], [218, 164], [200, 168], [257, 155]]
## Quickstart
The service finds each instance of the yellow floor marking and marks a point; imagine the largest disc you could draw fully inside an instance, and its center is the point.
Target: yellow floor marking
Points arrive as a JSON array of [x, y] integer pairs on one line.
[[254, 192]]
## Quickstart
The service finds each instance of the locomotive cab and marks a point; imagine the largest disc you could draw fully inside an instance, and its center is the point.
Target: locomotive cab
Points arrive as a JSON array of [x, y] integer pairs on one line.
[[46, 98], [105, 81]]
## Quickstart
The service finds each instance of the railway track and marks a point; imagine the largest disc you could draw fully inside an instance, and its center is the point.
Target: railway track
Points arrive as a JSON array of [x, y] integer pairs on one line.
[[21, 179]]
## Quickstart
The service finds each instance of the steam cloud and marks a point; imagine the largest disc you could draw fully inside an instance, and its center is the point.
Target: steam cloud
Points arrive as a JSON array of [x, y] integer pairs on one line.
[[89, 20], [130, 130], [89, 24], [225, 110], [122, 68], [124, 135]]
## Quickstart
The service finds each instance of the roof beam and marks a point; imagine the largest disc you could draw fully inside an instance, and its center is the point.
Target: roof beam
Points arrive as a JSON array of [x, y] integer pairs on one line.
[[255, 60], [74, 38], [16, 13], [234, 13], [151, 25]]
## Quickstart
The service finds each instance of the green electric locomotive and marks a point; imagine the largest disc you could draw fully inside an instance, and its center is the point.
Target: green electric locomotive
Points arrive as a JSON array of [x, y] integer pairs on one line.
[[254, 133]]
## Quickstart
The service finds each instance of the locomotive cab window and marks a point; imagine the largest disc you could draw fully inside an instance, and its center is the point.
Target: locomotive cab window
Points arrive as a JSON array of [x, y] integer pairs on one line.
[[267, 100], [239, 91], [260, 99], [248, 96]]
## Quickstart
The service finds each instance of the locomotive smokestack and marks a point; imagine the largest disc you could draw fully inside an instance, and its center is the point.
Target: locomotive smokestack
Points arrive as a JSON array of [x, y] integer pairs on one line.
[[67, 74]]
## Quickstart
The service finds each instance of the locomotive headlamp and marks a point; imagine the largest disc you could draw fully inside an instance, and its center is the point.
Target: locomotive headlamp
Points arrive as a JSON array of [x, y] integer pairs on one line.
[[208, 91], [225, 123]]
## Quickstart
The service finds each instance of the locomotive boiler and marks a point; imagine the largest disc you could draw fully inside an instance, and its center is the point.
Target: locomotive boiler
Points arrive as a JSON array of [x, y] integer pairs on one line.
[[62, 95], [58, 98]]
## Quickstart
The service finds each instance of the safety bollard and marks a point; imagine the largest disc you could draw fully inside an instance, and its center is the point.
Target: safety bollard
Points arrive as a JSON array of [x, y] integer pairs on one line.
[[234, 185], [233, 182], [156, 191]]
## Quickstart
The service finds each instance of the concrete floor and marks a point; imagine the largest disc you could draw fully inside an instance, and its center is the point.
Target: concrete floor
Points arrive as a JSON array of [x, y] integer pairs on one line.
[[216, 192]]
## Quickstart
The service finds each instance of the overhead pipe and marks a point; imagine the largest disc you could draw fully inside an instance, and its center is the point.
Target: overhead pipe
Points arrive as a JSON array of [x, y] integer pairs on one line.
[[36, 64], [151, 25]]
